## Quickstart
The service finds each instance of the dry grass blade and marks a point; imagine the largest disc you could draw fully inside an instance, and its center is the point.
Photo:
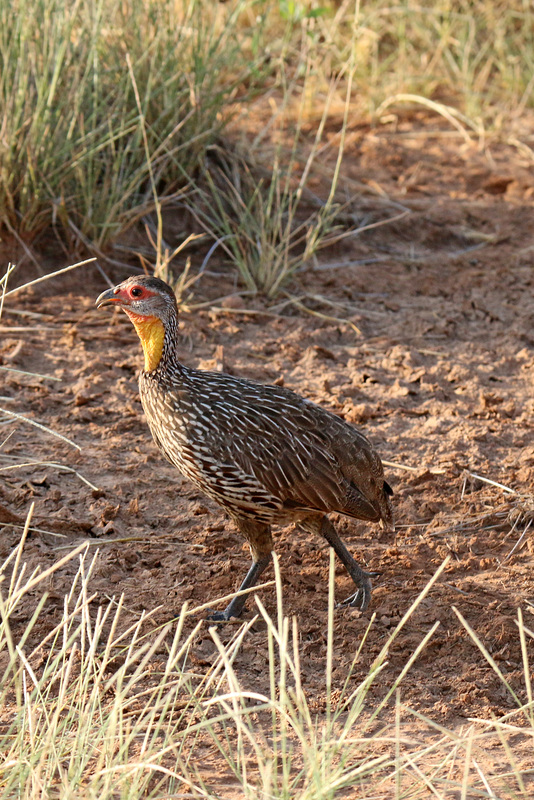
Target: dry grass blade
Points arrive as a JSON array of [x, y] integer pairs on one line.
[[228, 597], [39, 425], [326, 317], [447, 112], [49, 276], [54, 465], [395, 465], [31, 374], [476, 477], [487, 655]]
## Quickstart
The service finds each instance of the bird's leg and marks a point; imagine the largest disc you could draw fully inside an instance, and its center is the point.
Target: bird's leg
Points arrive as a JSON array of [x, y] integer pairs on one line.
[[362, 579], [260, 540], [237, 604]]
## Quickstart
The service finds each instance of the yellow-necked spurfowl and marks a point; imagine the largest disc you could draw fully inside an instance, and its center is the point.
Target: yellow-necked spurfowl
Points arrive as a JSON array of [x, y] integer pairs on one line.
[[264, 453]]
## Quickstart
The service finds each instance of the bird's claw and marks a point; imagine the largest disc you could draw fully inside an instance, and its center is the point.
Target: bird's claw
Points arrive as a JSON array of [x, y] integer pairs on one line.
[[362, 597]]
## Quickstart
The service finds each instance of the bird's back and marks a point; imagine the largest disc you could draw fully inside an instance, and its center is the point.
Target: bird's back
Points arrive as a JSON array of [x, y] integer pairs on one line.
[[263, 451]]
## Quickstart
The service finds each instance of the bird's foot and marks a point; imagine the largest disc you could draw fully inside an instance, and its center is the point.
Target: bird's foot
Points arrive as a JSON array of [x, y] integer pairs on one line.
[[218, 616], [362, 597]]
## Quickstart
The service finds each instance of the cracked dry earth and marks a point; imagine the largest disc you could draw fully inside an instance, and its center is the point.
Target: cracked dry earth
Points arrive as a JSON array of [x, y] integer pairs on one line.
[[440, 377]]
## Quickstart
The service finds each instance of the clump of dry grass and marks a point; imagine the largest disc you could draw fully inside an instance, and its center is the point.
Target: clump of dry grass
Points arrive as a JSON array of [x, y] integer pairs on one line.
[[72, 153], [102, 706], [109, 113], [474, 54], [266, 218]]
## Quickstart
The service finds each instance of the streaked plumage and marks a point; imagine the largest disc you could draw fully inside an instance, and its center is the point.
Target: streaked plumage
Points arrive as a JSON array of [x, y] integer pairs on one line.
[[264, 453]]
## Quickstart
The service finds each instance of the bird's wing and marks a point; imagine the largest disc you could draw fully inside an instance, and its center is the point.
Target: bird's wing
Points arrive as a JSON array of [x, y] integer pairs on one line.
[[295, 450]]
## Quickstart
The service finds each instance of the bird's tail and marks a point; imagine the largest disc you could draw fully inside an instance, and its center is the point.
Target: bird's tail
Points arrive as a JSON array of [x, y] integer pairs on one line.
[[386, 512]]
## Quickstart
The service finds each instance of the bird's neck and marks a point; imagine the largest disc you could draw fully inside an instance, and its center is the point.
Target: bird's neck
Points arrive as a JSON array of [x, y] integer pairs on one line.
[[156, 340]]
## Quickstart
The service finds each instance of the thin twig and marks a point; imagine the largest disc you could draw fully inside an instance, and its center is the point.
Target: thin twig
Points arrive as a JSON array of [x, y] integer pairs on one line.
[[3, 283], [22, 312], [6, 440], [394, 465], [23, 244], [32, 374], [326, 317], [101, 541], [245, 311], [52, 464], [23, 329], [491, 483], [40, 426], [50, 275], [516, 545], [450, 113], [37, 530], [242, 592]]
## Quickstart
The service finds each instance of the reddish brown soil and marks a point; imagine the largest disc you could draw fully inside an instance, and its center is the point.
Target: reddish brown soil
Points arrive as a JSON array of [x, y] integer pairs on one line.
[[440, 378]]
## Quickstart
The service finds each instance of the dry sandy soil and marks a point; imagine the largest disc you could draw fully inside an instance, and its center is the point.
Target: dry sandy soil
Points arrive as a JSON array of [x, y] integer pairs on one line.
[[440, 378]]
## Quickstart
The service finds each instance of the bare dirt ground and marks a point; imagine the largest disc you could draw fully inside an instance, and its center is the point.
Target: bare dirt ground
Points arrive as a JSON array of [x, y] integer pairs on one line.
[[440, 378]]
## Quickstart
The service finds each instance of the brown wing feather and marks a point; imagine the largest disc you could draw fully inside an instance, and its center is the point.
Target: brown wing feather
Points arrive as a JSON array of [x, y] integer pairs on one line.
[[265, 446], [306, 456]]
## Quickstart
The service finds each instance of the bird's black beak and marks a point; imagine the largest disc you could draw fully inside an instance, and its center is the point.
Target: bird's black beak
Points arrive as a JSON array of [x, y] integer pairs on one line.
[[108, 298]]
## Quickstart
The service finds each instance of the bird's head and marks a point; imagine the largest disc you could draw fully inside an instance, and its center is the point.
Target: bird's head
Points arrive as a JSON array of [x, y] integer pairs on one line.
[[151, 305]]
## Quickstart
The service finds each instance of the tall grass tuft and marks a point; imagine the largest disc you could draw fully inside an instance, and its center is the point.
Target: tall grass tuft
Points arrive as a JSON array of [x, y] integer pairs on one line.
[[109, 109], [477, 55], [257, 200], [77, 713], [72, 151]]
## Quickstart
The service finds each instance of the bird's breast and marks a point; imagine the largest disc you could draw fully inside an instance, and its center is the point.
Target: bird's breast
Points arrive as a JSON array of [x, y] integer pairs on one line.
[[182, 430]]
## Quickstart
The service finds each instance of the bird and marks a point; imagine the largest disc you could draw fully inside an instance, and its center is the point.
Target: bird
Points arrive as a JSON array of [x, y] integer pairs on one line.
[[264, 453]]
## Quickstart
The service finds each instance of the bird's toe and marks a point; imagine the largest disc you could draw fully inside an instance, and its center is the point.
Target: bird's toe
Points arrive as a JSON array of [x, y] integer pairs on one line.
[[216, 616], [359, 599]]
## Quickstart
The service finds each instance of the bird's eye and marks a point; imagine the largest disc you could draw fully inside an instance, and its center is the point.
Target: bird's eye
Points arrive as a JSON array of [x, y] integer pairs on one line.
[[136, 291]]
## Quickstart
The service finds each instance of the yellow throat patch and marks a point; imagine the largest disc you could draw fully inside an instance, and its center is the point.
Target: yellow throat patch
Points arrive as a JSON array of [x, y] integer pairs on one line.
[[151, 333]]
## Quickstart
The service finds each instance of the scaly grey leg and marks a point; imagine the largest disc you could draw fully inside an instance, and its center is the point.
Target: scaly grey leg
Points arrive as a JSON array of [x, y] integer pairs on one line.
[[362, 579], [237, 604]]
